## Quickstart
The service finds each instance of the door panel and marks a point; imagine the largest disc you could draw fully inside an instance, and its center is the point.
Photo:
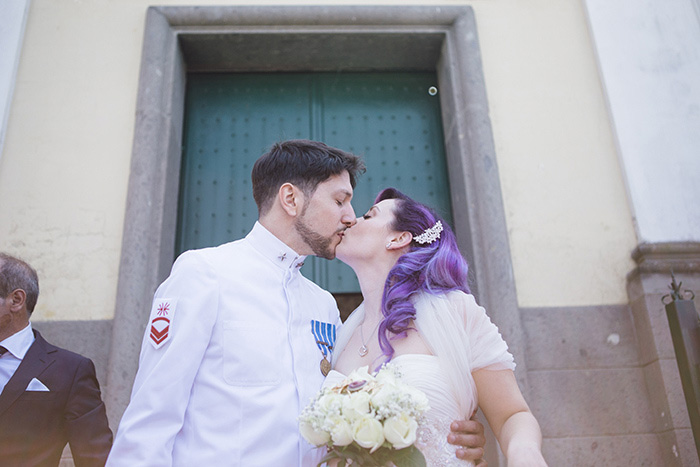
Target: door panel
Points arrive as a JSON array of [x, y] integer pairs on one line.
[[231, 119]]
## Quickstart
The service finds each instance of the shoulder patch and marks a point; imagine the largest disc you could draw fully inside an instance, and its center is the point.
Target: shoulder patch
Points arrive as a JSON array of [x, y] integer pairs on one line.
[[162, 315]]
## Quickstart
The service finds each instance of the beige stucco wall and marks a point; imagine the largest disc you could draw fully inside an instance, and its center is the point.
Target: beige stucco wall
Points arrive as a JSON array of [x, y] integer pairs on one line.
[[570, 227], [65, 166]]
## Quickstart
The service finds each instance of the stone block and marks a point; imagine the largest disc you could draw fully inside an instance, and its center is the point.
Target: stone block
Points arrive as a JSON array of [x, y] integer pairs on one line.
[[651, 325], [658, 399], [590, 402], [628, 450], [678, 448], [666, 395], [579, 337]]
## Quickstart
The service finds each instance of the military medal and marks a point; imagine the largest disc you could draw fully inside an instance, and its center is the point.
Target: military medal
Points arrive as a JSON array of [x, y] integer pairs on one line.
[[324, 335], [325, 366]]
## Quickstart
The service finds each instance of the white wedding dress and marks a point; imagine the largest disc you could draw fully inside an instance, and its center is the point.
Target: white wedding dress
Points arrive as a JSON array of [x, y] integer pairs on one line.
[[462, 339]]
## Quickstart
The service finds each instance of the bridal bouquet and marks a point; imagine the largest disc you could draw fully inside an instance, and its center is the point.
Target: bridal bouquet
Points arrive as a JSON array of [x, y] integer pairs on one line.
[[370, 420]]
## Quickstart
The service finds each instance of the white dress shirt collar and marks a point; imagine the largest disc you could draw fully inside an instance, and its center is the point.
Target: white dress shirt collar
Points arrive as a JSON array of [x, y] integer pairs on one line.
[[273, 248], [18, 343]]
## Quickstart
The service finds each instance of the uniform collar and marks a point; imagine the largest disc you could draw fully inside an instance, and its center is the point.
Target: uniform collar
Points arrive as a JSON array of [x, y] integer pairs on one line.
[[18, 343], [273, 248]]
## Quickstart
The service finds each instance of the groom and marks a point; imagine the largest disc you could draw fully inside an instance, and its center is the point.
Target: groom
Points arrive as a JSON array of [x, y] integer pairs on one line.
[[235, 346]]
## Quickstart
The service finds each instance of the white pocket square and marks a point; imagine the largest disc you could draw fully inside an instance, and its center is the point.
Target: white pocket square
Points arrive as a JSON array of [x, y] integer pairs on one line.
[[36, 385]]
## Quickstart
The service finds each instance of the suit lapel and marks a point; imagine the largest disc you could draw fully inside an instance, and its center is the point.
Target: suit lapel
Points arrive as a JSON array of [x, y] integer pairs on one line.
[[36, 360]]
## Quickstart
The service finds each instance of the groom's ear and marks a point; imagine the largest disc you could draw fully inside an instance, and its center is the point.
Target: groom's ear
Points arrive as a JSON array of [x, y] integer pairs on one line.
[[291, 199]]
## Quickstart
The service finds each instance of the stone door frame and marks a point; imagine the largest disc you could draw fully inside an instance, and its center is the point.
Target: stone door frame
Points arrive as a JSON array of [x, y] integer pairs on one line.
[[305, 38]]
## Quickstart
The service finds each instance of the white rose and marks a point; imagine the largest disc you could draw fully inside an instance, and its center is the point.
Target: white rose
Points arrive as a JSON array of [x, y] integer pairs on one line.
[[341, 432], [400, 431], [313, 436], [420, 400], [368, 433], [385, 395], [356, 405], [386, 376], [330, 402]]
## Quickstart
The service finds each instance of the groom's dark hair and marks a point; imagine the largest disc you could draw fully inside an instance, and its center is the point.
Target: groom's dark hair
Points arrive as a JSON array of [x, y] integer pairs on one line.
[[302, 163]]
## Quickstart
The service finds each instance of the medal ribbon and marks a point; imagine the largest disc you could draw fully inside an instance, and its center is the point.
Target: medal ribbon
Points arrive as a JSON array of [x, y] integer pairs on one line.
[[324, 334]]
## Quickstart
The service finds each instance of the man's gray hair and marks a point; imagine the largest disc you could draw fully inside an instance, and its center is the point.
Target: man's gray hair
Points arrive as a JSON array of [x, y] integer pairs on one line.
[[16, 274]]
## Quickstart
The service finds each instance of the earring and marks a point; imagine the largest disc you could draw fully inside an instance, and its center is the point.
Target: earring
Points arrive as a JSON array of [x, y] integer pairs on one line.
[[388, 245]]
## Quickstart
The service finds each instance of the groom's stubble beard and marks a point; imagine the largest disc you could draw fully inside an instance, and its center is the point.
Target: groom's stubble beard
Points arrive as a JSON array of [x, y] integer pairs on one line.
[[320, 245]]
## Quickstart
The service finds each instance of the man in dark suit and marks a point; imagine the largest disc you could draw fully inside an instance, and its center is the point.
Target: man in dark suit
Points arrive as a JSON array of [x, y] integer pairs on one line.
[[49, 396]]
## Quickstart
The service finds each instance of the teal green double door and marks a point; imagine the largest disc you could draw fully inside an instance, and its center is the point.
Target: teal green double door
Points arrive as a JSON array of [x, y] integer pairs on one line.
[[390, 119]]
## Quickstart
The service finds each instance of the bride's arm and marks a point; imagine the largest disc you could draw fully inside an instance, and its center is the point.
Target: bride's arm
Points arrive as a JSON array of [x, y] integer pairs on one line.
[[509, 416]]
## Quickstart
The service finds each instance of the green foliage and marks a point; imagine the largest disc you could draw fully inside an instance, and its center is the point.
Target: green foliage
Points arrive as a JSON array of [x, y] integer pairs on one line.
[[382, 457]]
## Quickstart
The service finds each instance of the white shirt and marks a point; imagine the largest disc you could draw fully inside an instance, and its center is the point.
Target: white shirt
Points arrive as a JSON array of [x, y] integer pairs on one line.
[[240, 364], [17, 346]]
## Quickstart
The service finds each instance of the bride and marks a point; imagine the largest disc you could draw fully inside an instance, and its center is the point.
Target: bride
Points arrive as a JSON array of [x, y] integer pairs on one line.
[[418, 313]]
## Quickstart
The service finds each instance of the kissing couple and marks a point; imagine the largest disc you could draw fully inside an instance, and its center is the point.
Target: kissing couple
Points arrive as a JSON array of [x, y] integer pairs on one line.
[[249, 339]]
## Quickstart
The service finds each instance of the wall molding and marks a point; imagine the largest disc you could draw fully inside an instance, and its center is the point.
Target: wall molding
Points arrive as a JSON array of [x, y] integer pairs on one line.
[[662, 258]]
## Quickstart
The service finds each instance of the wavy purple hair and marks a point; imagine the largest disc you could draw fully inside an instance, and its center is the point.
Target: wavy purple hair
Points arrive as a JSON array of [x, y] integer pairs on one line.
[[434, 268]]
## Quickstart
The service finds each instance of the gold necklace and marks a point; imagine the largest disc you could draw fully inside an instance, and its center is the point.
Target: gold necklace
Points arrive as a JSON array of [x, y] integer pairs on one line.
[[363, 348]]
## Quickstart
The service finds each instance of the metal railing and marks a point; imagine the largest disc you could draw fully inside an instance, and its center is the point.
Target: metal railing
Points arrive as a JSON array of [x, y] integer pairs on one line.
[[684, 322]]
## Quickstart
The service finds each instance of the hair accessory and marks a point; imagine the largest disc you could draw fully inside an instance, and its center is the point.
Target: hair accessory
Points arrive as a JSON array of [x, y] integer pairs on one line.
[[430, 235]]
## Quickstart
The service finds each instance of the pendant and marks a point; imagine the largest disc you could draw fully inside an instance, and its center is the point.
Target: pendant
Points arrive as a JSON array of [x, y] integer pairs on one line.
[[362, 350], [325, 366]]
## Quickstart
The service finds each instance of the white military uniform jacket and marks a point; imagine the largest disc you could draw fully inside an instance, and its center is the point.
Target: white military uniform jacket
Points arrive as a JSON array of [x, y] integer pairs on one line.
[[228, 360]]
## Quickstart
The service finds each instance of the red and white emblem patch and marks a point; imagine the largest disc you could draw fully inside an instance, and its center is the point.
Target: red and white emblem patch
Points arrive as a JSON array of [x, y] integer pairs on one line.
[[162, 315]]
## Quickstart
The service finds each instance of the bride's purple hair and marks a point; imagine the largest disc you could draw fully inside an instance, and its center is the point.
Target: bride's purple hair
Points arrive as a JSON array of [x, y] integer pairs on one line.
[[433, 268]]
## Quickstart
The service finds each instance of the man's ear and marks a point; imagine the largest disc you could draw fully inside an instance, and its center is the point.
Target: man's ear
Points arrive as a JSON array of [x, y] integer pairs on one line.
[[399, 241], [291, 199], [17, 299]]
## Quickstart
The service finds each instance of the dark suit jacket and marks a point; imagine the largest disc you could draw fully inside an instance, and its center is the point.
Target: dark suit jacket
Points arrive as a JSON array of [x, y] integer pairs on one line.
[[36, 425]]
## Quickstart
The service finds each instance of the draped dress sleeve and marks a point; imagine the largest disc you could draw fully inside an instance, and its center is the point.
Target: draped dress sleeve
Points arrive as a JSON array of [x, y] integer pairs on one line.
[[459, 332]]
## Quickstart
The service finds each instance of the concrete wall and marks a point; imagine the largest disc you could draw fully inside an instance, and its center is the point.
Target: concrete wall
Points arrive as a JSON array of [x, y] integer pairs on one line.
[[650, 66]]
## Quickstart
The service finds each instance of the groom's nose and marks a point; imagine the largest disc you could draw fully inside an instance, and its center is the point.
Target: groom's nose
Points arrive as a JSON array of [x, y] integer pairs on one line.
[[348, 217]]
